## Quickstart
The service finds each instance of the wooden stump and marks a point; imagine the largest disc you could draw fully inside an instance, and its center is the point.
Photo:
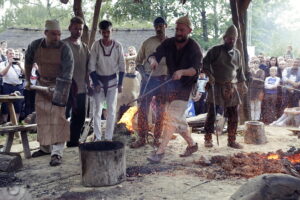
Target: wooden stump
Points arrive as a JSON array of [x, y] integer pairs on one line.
[[10, 162], [102, 163], [255, 133]]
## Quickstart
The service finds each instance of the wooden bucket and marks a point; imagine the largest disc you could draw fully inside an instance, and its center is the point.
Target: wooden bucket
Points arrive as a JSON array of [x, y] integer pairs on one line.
[[255, 132], [102, 163]]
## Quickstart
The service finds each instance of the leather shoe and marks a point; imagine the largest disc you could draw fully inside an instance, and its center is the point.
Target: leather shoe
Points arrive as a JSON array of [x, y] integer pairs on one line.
[[190, 150], [39, 153], [55, 160]]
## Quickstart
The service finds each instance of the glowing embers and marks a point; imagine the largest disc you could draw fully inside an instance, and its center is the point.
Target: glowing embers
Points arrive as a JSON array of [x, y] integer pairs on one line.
[[128, 118]]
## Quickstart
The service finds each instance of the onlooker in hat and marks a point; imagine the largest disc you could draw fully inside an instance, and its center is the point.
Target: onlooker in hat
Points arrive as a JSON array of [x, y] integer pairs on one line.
[[223, 66], [150, 80]]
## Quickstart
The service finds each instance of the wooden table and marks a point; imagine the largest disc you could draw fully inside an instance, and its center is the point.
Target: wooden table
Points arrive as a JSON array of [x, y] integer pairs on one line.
[[9, 100]]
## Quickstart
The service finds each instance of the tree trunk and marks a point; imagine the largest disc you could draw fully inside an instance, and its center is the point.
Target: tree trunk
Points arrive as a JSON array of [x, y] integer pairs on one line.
[[95, 22], [102, 163], [255, 133], [204, 23], [239, 17], [215, 21], [77, 9]]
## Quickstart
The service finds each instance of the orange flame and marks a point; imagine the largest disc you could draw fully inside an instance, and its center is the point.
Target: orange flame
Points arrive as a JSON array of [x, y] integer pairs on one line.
[[128, 117], [273, 156], [292, 158]]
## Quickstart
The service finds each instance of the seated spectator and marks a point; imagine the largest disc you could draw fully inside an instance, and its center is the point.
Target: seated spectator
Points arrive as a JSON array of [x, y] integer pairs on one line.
[[290, 117], [271, 84]]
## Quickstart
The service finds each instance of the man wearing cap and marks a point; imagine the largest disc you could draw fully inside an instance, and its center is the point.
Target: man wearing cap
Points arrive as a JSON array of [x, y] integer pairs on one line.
[[80, 80], [106, 67], [55, 67], [184, 59], [223, 65], [158, 76]]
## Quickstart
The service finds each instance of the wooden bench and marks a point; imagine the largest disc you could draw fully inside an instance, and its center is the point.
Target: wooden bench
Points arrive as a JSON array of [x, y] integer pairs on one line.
[[11, 130]]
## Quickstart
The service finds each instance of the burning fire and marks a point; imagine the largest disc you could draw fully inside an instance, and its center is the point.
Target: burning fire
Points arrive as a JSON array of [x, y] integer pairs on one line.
[[128, 117], [292, 158]]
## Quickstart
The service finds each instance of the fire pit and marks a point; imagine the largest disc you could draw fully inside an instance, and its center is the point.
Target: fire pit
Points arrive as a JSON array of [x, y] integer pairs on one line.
[[102, 163], [254, 164]]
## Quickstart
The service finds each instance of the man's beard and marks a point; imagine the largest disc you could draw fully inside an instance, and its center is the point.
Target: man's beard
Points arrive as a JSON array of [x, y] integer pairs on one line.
[[229, 46], [180, 39]]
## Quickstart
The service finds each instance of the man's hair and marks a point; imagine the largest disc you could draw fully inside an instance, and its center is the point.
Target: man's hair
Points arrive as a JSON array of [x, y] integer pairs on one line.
[[104, 24], [76, 20], [9, 49]]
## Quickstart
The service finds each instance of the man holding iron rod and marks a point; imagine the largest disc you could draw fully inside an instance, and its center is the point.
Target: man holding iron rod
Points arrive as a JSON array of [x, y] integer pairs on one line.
[[150, 80], [226, 86], [184, 59]]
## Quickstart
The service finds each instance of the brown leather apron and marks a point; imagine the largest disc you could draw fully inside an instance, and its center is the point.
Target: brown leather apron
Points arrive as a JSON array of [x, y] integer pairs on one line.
[[52, 126]]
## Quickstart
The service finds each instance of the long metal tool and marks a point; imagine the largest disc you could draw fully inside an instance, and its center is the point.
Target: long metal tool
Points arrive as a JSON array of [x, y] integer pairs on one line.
[[150, 91], [215, 110], [42, 88], [145, 88]]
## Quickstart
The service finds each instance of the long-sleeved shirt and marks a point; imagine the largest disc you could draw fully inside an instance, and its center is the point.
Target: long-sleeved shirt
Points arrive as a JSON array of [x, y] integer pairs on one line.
[[148, 47], [81, 58], [107, 60], [190, 56], [224, 65]]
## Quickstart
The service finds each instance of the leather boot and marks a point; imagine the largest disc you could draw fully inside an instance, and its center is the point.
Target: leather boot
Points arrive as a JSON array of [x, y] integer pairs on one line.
[[208, 140], [139, 143], [231, 141]]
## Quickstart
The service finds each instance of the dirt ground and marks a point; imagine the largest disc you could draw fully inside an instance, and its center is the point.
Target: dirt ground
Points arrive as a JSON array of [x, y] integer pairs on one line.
[[174, 178]]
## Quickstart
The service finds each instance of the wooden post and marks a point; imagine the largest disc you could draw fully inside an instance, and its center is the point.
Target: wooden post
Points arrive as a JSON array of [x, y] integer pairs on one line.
[[95, 22], [255, 133], [102, 163]]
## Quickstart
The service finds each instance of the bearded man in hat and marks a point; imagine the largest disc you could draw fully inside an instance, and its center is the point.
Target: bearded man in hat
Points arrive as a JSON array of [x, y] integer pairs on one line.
[[150, 80], [223, 65], [184, 60], [55, 68]]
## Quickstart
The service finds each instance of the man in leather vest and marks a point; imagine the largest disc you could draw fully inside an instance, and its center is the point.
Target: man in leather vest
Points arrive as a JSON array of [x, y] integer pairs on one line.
[[223, 66], [55, 68]]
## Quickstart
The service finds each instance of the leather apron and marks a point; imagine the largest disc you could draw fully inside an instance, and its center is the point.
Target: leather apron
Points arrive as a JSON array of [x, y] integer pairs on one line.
[[52, 126]]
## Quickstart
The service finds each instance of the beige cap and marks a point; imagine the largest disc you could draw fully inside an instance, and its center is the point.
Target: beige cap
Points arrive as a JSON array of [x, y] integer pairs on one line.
[[184, 20], [231, 31], [51, 25]]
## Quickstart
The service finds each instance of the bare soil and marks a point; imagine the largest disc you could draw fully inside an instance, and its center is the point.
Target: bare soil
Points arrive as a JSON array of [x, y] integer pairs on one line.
[[173, 178]]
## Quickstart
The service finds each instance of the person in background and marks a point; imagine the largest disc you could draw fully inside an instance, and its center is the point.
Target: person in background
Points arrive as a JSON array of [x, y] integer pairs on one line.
[[12, 73], [271, 84], [158, 76], [80, 80], [200, 96], [256, 89]]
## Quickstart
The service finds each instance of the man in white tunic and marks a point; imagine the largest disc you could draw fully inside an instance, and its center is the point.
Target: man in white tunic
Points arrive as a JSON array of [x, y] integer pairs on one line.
[[107, 67]]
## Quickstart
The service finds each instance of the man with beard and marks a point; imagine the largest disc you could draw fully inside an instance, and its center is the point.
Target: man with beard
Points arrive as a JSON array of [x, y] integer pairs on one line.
[[55, 66], [80, 82], [184, 59], [107, 67], [222, 64], [158, 76]]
